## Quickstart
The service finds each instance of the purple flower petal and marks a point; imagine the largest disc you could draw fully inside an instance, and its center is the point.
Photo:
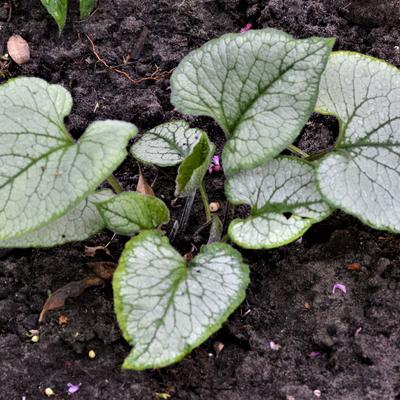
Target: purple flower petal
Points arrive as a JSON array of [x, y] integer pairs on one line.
[[246, 28], [339, 286], [358, 331], [73, 388], [215, 165], [314, 354]]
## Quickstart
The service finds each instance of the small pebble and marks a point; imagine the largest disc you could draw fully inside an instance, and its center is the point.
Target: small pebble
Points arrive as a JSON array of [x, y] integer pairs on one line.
[[49, 392], [317, 393], [214, 206], [35, 339]]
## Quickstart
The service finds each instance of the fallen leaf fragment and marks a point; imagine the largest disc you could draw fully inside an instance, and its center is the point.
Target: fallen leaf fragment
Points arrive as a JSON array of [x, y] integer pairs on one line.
[[103, 269], [72, 289], [162, 396], [353, 266], [218, 347], [91, 251], [143, 187], [63, 320], [18, 49]]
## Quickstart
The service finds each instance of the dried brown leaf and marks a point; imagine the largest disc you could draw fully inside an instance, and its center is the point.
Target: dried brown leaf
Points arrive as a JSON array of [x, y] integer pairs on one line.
[[72, 289], [91, 251], [143, 187], [18, 49], [103, 269]]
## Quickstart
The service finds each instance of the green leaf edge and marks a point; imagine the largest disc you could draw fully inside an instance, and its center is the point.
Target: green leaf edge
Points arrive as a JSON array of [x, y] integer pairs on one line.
[[61, 243], [145, 162], [336, 149], [180, 190], [84, 10], [313, 221], [212, 329], [101, 204], [329, 43], [60, 24], [89, 191]]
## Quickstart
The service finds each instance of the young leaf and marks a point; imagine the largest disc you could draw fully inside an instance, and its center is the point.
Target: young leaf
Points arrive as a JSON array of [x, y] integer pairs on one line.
[[284, 202], [80, 223], [167, 144], [58, 10], [86, 7], [193, 168], [165, 306], [362, 175], [130, 212], [43, 173], [260, 86]]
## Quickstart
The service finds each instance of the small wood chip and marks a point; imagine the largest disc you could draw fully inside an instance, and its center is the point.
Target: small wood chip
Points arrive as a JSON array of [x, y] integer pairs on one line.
[[18, 49], [353, 266]]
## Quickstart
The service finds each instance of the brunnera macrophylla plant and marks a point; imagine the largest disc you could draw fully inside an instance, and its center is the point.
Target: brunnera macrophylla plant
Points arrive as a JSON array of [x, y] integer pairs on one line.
[[261, 87], [58, 9]]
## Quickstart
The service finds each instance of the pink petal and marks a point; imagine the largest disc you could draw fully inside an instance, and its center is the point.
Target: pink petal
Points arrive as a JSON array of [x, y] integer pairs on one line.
[[339, 286], [73, 388], [314, 354], [246, 28]]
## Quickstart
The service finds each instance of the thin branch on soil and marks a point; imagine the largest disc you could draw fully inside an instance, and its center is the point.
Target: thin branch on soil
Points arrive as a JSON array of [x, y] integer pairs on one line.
[[10, 10], [157, 75]]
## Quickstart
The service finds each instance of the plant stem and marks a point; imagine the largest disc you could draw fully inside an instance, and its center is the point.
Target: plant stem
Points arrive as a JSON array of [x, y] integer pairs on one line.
[[294, 149], [113, 182], [205, 201]]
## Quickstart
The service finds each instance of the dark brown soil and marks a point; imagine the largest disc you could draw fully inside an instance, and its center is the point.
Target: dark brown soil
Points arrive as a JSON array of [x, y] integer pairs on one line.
[[290, 300]]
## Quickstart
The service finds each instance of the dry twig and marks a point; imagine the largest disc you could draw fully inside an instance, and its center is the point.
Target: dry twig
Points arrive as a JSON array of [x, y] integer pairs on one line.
[[157, 75]]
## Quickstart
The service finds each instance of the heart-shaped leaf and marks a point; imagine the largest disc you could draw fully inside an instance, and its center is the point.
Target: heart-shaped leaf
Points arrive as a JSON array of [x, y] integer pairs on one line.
[[58, 9], [80, 223], [43, 173], [284, 202], [165, 306], [167, 144], [260, 86], [193, 168], [130, 212], [362, 175]]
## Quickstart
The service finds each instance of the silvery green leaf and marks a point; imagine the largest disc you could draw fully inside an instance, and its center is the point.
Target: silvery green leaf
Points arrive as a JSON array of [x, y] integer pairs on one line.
[[165, 306], [58, 10], [362, 175], [43, 172], [80, 223], [193, 168], [284, 202], [260, 86], [167, 144], [130, 212]]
